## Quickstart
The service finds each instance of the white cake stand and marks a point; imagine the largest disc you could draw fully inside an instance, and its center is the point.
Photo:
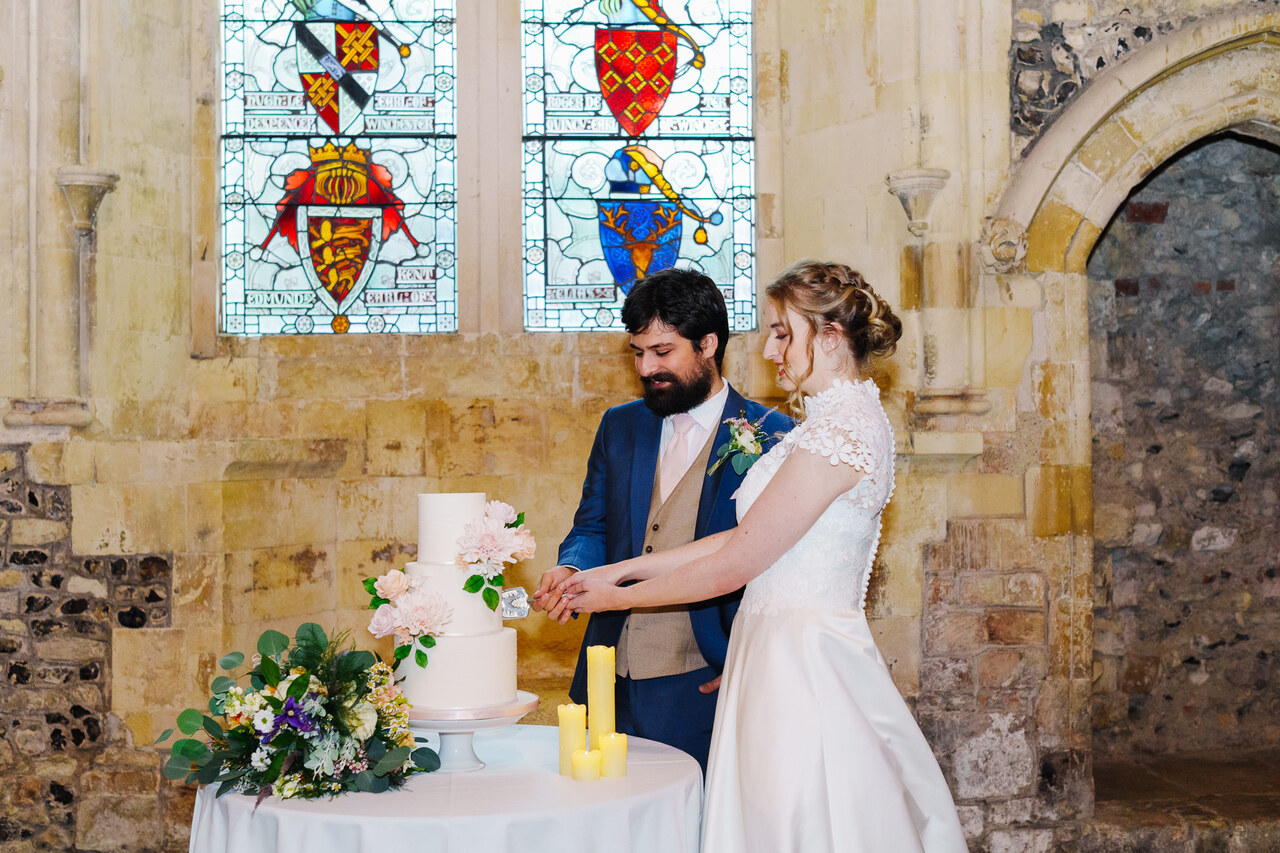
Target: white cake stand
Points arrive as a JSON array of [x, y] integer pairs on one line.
[[457, 728]]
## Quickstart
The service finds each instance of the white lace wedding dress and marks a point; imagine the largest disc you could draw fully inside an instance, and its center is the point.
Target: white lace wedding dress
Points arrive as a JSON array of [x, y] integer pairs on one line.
[[814, 749]]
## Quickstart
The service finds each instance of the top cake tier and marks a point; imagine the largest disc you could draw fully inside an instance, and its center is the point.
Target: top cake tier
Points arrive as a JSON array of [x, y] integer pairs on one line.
[[441, 519]]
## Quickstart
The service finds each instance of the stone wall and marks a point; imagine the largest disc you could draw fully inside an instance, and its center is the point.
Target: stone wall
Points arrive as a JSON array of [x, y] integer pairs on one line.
[[1184, 294]]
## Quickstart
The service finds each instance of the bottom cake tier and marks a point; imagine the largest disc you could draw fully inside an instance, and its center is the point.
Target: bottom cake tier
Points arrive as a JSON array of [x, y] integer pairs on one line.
[[477, 671]]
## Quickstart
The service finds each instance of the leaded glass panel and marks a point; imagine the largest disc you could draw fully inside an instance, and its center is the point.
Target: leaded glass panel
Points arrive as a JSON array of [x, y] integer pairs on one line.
[[338, 166], [638, 154]]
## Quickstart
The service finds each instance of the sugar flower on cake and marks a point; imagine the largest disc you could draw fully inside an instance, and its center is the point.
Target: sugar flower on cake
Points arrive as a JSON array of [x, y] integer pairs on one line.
[[394, 584], [487, 545], [421, 614]]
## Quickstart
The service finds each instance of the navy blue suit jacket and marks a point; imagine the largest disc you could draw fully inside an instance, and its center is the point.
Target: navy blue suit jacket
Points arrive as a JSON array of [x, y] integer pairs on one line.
[[609, 525]]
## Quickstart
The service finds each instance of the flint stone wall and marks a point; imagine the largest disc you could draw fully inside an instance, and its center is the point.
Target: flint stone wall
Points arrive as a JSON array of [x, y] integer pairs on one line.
[[1184, 287]]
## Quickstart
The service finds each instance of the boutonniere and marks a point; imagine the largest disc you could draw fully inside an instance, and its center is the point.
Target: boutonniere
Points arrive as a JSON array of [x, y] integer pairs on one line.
[[745, 444]]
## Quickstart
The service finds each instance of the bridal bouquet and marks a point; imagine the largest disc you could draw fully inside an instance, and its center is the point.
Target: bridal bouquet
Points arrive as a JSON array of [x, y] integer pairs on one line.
[[315, 720], [415, 617]]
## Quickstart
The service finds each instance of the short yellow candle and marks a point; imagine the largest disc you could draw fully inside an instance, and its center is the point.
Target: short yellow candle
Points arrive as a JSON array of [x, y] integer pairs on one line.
[[600, 678], [586, 765], [613, 755], [573, 734]]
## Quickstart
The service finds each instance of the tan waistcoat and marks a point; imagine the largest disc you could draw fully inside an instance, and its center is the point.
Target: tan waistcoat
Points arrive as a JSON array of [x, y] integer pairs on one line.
[[659, 641]]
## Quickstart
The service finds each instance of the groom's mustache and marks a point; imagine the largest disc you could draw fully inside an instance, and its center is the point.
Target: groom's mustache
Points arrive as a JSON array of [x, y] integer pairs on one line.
[[648, 381]]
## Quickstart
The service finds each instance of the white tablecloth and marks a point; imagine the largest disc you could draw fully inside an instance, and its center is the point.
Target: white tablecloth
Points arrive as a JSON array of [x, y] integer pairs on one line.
[[517, 804]]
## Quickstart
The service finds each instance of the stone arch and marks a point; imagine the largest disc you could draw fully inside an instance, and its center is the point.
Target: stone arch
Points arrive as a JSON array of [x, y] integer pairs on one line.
[[1222, 74]]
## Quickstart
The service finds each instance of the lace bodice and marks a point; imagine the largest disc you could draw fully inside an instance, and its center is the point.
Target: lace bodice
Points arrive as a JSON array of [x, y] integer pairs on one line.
[[830, 566]]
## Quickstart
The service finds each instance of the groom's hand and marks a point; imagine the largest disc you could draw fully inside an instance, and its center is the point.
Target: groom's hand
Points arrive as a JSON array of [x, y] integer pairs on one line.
[[548, 594]]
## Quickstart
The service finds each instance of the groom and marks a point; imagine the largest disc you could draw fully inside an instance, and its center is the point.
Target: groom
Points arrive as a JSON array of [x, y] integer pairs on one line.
[[647, 489]]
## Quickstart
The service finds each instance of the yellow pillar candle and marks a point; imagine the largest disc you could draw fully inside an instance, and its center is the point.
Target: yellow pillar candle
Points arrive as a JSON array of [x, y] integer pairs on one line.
[[600, 677], [613, 755], [586, 765], [573, 734]]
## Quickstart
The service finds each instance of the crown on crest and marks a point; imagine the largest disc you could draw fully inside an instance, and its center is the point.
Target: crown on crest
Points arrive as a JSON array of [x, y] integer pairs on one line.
[[330, 153]]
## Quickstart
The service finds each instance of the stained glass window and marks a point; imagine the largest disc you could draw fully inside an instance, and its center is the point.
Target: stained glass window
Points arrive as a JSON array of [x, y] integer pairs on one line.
[[638, 154], [338, 166]]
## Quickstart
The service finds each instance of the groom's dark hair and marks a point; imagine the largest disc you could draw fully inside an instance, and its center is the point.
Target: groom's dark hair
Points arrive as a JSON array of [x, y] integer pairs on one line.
[[686, 300]]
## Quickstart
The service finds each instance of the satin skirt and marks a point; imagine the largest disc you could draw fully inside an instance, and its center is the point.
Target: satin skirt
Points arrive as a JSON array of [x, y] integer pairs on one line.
[[814, 748]]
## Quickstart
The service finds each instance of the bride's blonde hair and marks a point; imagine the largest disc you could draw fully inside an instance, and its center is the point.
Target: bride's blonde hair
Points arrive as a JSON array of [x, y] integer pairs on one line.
[[829, 295]]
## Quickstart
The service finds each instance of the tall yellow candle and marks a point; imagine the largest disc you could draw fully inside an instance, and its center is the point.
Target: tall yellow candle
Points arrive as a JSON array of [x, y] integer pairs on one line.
[[573, 734], [586, 765], [600, 678], [613, 755]]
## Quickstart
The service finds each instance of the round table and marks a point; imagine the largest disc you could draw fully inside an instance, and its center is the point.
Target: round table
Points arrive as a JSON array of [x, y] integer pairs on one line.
[[518, 803]]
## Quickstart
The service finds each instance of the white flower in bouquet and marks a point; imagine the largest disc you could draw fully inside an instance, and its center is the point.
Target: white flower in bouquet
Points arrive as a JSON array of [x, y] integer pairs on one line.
[[260, 759], [264, 721], [361, 719], [394, 584]]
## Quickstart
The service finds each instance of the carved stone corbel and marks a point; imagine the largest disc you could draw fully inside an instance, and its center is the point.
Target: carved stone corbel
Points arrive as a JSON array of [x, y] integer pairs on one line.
[[1003, 248]]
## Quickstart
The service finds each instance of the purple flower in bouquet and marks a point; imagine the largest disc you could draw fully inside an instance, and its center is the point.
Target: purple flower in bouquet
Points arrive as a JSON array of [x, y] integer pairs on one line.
[[291, 715]]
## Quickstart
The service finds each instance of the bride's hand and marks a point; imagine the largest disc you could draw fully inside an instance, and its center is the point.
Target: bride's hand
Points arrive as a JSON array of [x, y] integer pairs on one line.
[[585, 594]]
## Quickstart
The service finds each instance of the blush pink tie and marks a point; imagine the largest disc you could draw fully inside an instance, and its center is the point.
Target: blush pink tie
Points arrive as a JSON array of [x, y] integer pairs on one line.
[[676, 460]]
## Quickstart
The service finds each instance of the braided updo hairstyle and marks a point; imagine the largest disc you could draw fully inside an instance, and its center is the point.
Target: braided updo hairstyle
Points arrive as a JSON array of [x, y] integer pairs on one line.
[[828, 294]]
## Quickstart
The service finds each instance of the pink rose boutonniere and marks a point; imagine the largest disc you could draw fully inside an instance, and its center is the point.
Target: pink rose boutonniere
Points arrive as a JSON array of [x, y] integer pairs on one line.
[[745, 445]]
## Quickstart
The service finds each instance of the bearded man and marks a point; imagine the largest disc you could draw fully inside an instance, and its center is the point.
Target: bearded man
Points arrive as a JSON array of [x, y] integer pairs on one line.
[[648, 489]]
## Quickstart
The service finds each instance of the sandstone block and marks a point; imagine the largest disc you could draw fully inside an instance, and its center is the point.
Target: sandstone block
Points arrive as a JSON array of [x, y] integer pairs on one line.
[[111, 823], [60, 462], [1007, 669], [954, 634], [1015, 589], [35, 531], [396, 438], [970, 495], [1140, 674], [998, 762], [1016, 627]]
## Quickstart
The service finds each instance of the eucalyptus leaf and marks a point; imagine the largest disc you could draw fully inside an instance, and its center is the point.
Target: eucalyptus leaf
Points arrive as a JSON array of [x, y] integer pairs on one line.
[[311, 634], [233, 774], [375, 750], [270, 671], [420, 657], [426, 758], [177, 767], [190, 721], [164, 736], [273, 769], [222, 684], [364, 781], [211, 726], [272, 643], [216, 706], [190, 749], [490, 596], [241, 741], [191, 779], [231, 661], [474, 583], [256, 680], [225, 788], [391, 761]]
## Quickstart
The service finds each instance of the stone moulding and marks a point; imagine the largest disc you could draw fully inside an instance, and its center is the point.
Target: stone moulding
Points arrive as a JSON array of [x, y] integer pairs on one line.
[[73, 413], [916, 190]]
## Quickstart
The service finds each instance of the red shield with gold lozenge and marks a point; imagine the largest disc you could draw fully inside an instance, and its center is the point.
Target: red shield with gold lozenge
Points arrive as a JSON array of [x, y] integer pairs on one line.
[[636, 69]]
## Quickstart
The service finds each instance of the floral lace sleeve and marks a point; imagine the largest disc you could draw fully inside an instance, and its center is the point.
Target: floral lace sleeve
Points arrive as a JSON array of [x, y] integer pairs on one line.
[[840, 441]]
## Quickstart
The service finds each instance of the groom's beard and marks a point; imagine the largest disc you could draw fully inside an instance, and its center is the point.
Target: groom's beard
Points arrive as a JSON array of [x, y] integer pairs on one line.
[[682, 394]]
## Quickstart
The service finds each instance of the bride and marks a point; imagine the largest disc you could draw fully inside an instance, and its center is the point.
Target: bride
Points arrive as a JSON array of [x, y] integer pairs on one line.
[[813, 749]]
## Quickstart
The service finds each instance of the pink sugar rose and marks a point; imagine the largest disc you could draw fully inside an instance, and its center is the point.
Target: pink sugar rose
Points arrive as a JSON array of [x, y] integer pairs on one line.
[[498, 511], [394, 584], [385, 621]]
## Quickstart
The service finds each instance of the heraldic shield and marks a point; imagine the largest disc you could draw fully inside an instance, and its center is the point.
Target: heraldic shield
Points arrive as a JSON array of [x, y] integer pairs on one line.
[[638, 238], [338, 67], [636, 69]]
